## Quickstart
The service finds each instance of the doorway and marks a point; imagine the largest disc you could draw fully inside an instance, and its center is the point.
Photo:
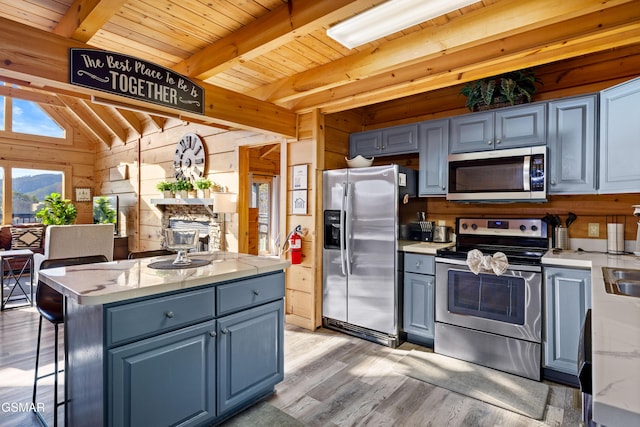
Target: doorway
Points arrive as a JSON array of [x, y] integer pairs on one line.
[[260, 165]]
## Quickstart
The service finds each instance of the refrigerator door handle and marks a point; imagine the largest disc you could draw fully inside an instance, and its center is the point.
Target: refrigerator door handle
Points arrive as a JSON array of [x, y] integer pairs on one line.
[[342, 232], [347, 239]]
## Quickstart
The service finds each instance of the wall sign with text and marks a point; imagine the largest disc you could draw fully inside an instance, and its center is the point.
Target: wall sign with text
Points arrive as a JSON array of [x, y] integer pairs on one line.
[[134, 78]]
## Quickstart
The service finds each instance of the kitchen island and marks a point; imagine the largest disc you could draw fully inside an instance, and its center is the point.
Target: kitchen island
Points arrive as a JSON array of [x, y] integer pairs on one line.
[[615, 339], [157, 347]]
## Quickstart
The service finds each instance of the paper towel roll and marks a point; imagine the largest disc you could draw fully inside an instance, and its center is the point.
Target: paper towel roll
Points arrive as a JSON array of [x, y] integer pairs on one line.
[[615, 238]]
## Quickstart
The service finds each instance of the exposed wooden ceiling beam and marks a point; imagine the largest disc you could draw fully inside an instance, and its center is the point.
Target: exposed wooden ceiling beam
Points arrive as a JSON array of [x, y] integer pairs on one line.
[[507, 18], [103, 114], [39, 56], [29, 95], [269, 32], [131, 119], [85, 17], [587, 34], [78, 108]]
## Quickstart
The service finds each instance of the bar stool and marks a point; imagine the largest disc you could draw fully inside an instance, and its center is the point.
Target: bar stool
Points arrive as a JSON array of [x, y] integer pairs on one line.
[[151, 253], [50, 305]]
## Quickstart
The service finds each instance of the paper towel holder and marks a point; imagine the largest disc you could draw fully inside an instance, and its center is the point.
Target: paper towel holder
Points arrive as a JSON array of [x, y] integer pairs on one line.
[[615, 234]]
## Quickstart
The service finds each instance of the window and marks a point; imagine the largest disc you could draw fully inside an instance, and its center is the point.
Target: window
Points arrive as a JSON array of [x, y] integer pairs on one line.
[[264, 192], [29, 187], [27, 117]]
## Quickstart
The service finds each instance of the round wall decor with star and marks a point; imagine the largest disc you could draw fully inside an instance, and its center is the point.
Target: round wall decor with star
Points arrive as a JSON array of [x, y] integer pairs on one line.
[[189, 160]]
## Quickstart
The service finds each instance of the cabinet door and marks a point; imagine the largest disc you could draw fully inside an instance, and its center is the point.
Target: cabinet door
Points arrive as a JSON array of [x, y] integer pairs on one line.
[[367, 144], [471, 132], [572, 145], [400, 140], [418, 316], [619, 170], [433, 146], [567, 298], [165, 380], [521, 126], [250, 354]]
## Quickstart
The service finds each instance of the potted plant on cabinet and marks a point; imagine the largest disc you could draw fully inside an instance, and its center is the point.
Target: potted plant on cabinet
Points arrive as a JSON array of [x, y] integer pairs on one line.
[[203, 187], [182, 187], [57, 211], [166, 188], [516, 87]]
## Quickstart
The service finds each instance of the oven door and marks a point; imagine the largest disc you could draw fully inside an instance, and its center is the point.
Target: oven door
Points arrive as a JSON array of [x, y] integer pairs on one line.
[[507, 305]]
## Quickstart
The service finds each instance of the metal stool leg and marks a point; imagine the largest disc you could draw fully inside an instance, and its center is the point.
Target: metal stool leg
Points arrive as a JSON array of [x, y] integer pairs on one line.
[[55, 373]]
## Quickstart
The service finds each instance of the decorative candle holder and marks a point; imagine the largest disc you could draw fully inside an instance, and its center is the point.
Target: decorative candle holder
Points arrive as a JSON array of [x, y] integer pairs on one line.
[[182, 240]]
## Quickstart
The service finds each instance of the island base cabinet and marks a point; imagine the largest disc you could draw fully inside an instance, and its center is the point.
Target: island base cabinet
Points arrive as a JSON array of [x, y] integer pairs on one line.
[[250, 354], [165, 380]]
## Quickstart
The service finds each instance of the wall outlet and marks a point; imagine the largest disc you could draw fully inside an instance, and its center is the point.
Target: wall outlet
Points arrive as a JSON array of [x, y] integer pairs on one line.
[[594, 229]]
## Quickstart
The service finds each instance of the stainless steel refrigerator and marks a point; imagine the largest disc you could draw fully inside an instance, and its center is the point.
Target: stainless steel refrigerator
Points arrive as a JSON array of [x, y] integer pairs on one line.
[[361, 290]]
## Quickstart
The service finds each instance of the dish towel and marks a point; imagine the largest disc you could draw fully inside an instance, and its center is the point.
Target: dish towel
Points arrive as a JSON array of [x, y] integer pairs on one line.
[[498, 263]]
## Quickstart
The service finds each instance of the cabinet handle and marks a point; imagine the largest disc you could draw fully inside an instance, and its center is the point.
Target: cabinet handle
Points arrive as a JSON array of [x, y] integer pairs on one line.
[[169, 314], [553, 183], [212, 334], [256, 292], [418, 264], [225, 331], [489, 142], [498, 141]]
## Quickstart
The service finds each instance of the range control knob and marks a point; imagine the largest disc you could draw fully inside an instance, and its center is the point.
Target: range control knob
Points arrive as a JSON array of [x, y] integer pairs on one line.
[[534, 228], [474, 226], [464, 226], [523, 227]]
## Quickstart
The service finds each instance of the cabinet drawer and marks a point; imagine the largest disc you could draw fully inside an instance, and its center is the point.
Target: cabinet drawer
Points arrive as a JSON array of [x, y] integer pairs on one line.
[[154, 316], [247, 293], [421, 264]]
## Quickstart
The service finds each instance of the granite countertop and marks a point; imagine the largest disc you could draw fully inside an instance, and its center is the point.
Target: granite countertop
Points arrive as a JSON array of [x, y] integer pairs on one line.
[[427, 248], [615, 339], [102, 283]]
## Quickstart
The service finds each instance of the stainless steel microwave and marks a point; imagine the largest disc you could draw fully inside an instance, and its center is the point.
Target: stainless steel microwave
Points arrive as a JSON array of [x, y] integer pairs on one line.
[[516, 174]]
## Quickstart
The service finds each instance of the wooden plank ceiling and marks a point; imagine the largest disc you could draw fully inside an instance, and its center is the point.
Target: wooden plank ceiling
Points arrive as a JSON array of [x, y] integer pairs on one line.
[[274, 54]]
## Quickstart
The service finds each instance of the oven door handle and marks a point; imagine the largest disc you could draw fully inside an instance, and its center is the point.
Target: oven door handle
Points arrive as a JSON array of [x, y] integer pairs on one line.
[[463, 262], [526, 174]]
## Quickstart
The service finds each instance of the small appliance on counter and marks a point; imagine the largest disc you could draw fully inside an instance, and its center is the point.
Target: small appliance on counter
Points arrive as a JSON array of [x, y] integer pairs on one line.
[[441, 234], [422, 230]]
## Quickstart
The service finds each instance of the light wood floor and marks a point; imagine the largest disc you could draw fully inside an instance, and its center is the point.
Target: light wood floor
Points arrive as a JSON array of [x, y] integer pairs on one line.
[[331, 379]]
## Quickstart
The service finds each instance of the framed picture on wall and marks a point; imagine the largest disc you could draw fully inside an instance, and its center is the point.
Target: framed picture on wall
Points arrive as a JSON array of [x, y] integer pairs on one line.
[[299, 177], [299, 202]]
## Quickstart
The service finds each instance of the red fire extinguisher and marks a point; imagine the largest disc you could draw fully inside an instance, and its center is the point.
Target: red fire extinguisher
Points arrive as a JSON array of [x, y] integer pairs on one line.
[[295, 246]]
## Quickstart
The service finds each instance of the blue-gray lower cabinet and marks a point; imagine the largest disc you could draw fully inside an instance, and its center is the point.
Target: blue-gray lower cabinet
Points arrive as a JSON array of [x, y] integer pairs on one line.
[[567, 299], [166, 380], [419, 297], [250, 354]]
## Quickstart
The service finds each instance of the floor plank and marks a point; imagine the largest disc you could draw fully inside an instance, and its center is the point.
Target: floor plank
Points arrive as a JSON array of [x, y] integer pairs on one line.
[[331, 379]]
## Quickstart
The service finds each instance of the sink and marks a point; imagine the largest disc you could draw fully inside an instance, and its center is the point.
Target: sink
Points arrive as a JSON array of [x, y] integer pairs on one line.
[[622, 281]]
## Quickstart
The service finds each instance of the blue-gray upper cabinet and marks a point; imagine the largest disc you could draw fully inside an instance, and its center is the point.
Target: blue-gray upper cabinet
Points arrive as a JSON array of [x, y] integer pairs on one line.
[[509, 127], [567, 299], [433, 147], [401, 139], [619, 169], [572, 145]]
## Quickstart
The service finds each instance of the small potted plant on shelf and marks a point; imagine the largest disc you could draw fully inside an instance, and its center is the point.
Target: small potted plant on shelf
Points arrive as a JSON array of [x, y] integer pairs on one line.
[[57, 211], [516, 87], [166, 188], [203, 188], [182, 187]]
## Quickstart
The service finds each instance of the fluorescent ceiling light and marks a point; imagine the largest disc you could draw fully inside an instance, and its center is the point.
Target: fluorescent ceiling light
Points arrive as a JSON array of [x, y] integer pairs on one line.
[[390, 17]]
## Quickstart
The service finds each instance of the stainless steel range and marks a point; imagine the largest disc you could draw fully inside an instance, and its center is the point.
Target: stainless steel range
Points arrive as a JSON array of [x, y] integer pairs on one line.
[[493, 318]]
